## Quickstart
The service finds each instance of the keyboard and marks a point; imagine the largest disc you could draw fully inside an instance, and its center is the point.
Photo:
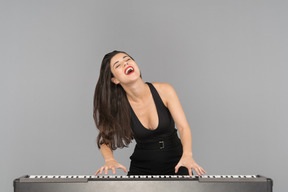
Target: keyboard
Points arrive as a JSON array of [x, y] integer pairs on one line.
[[141, 183]]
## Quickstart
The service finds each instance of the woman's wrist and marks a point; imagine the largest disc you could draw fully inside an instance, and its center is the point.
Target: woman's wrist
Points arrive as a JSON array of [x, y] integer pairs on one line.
[[186, 154], [110, 159]]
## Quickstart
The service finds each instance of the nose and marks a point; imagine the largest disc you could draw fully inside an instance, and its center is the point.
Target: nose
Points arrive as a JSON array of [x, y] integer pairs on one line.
[[125, 63]]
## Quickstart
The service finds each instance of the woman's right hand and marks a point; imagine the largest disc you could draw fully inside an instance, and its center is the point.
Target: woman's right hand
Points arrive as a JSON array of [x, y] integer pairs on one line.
[[111, 164]]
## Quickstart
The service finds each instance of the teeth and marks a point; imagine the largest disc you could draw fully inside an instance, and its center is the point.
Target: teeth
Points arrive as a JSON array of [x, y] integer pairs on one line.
[[129, 70]]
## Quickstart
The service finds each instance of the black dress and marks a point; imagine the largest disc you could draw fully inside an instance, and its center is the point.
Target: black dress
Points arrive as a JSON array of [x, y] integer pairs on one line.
[[158, 151]]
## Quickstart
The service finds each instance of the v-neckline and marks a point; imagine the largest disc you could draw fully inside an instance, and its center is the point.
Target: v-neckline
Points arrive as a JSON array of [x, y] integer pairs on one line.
[[153, 97]]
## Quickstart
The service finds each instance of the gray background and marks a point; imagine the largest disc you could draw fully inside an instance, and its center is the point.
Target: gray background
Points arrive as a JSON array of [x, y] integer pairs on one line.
[[227, 60]]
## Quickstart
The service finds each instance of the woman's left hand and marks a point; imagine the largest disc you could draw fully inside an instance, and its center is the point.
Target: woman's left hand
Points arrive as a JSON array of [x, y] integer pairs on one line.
[[189, 163]]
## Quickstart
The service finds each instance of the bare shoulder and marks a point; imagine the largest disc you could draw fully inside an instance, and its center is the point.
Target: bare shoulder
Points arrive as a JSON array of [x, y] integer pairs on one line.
[[163, 87], [166, 91]]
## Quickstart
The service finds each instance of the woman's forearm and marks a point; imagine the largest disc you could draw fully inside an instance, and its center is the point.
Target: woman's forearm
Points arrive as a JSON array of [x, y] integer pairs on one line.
[[106, 152], [186, 139]]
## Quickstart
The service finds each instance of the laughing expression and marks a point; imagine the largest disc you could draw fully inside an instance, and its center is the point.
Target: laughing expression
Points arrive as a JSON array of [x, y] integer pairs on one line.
[[124, 68]]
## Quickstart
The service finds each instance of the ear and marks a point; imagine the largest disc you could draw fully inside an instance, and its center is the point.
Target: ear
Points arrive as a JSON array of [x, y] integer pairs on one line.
[[115, 81]]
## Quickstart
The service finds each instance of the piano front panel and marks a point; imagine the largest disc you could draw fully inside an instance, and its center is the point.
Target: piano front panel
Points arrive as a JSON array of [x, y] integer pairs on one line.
[[159, 183]]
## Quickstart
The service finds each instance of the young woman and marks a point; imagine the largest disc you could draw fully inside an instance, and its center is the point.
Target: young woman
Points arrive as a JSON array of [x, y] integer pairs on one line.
[[126, 108]]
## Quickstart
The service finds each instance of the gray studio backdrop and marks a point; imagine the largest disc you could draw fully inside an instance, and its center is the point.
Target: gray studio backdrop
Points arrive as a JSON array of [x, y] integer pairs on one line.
[[227, 60]]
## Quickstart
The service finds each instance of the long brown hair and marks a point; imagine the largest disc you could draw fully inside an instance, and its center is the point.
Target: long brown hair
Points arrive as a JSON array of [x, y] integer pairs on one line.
[[111, 109]]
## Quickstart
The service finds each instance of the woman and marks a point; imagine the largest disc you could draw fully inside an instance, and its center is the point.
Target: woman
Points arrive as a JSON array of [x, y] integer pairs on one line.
[[126, 108]]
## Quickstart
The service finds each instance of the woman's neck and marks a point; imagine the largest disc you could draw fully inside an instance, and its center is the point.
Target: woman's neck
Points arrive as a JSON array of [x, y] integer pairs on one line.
[[136, 92]]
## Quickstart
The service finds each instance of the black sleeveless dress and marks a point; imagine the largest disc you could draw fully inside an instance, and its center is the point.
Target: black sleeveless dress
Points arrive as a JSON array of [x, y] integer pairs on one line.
[[158, 151]]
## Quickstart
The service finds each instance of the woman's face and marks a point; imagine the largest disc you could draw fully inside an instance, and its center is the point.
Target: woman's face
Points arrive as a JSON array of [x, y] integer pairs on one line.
[[124, 69]]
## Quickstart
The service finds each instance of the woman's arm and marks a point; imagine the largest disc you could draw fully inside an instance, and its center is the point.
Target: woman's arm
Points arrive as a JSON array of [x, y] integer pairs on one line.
[[171, 100], [110, 162]]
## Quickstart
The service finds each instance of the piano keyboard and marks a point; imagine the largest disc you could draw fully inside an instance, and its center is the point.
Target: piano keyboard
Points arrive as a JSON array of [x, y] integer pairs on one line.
[[157, 183], [138, 176], [86, 178]]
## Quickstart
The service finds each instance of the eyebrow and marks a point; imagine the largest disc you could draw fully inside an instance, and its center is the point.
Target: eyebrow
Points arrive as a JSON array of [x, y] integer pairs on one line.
[[118, 61]]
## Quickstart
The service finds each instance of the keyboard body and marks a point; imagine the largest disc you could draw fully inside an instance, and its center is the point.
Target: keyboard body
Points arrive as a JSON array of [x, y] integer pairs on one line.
[[160, 183]]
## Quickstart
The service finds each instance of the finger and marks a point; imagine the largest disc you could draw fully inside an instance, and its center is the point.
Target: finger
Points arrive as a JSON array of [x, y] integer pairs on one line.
[[190, 171], [106, 170], [113, 170], [198, 171], [177, 168], [124, 168], [97, 172], [101, 170], [203, 171]]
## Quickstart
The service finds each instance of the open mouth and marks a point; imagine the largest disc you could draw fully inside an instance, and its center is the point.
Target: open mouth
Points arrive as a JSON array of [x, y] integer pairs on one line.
[[129, 70]]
